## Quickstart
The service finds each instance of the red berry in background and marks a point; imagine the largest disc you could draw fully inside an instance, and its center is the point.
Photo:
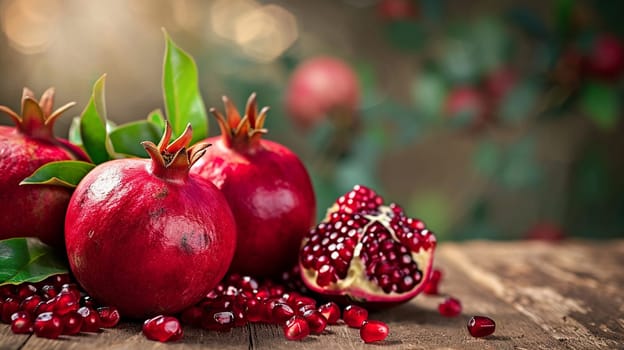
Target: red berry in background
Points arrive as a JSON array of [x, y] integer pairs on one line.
[[163, 329], [48, 325], [391, 265], [296, 328], [606, 58], [432, 285], [319, 87], [481, 326], [267, 187], [466, 106], [450, 307], [37, 210], [545, 231], [354, 316], [392, 10], [374, 331], [498, 83], [157, 237]]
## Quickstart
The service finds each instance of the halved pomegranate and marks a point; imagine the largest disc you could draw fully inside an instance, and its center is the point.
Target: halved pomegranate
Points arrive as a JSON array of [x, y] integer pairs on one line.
[[367, 252]]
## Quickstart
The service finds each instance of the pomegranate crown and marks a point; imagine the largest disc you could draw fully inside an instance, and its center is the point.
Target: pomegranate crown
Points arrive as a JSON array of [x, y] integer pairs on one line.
[[37, 117], [176, 157], [237, 131]]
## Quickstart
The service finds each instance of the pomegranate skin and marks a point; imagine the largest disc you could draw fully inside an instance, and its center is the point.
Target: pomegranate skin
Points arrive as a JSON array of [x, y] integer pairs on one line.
[[33, 210], [149, 241], [271, 196], [267, 187]]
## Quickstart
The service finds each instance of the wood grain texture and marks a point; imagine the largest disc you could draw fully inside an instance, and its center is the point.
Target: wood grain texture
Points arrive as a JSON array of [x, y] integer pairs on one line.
[[542, 296]]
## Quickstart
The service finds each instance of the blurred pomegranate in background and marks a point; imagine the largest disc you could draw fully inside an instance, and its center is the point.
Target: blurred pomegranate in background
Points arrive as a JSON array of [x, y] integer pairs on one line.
[[606, 58], [466, 106], [545, 231], [392, 10], [322, 87], [498, 83]]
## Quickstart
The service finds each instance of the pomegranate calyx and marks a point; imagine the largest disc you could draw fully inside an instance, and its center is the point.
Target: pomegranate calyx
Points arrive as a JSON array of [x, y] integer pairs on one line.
[[245, 132], [37, 118], [173, 160]]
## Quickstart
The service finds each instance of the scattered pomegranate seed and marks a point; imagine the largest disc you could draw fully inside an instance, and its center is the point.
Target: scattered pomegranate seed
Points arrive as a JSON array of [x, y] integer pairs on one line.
[[47, 325], [72, 323], [163, 329], [281, 313], [9, 307], [90, 319], [331, 311], [354, 316], [21, 323], [450, 307], [481, 326], [316, 321], [374, 331], [109, 316], [296, 328]]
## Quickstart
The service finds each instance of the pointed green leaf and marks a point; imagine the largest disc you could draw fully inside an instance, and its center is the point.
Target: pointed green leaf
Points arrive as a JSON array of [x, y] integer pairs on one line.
[[93, 124], [601, 104], [74, 132], [183, 102], [28, 260], [127, 138], [156, 117], [67, 173]]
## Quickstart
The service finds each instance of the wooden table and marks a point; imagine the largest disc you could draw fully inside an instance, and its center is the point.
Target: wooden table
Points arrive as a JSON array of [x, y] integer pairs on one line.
[[542, 296]]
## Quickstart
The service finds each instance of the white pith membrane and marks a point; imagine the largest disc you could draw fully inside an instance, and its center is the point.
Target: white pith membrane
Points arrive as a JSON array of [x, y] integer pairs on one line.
[[357, 284]]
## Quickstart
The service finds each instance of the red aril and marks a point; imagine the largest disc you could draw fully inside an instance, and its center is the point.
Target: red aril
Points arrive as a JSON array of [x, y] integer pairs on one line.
[[90, 320], [109, 316], [378, 256], [481, 326], [431, 287], [316, 321], [450, 307], [267, 187], [331, 311], [21, 323], [48, 325], [72, 323], [354, 316], [146, 236], [163, 329], [296, 328], [33, 210], [374, 331]]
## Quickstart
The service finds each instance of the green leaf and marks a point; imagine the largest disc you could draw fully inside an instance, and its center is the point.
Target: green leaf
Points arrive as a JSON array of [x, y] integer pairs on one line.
[[66, 173], [74, 132], [405, 35], [428, 94], [156, 117], [518, 104], [27, 260], [601, 104], [520, 168], [93, 126], [487, 158], [127, 138], [183, 102]]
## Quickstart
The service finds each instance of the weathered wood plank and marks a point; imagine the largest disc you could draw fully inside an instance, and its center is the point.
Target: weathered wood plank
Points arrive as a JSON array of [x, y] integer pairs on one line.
[[571, 290], [8, 340]]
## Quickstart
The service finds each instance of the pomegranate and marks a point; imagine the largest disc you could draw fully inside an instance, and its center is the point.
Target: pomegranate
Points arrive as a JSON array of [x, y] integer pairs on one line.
[[146, 236], [320, 87], [393, 10], [267, 187], [367, 252], [606, 59], [33, 210]]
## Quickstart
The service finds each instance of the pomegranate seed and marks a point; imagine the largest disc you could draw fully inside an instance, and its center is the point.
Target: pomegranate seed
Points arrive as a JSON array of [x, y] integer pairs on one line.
[[9, 307], [450, 307], [47, 325], [109, 316], [71, 288], [65, 302], [72, 323], [354, 316], [326, 276], [374, 331], [162, 328], [87, 301], [21, 323], [481, 326], [331, 311], [7, 291], [45, 306], [48, 291], [296, 328], [431, 287], [316, 321], [25, 290], [90, 320], [255, 310], [30, 304], [281, 313]]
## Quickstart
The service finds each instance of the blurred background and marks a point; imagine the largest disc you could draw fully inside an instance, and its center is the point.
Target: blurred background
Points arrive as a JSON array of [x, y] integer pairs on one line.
[[494, 119]]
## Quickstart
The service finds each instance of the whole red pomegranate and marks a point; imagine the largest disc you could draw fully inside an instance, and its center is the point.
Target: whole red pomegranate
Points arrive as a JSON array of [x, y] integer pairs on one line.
[[320, 87], [33, 210], [606, 59], [267, 187], [146, 236], [367, 252]]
